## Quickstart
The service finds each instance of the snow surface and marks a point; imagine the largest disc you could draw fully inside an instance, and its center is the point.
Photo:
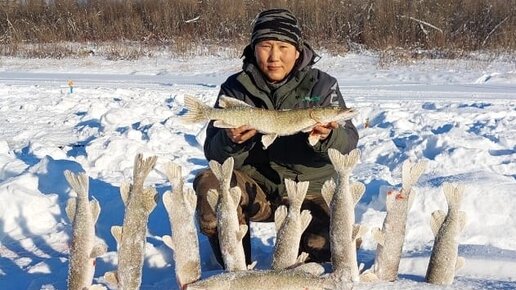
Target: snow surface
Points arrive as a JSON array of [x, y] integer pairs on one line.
[[460, 115]]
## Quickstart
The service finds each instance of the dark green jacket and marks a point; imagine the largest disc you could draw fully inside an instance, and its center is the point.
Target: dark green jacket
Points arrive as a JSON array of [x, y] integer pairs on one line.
[[289, 156]]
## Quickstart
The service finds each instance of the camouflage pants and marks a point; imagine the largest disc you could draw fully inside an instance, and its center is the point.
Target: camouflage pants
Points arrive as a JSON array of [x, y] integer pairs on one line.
[[257, 206]]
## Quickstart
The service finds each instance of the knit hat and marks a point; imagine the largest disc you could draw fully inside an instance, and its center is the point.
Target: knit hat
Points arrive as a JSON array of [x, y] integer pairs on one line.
[[276, 24]]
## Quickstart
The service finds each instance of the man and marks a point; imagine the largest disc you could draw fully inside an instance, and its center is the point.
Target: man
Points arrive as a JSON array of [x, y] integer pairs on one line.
[[277, 74]]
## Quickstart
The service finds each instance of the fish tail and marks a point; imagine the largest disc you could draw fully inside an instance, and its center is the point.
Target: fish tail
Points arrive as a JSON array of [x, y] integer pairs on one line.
[[190, 199], [150, 198], [174, 173], [296, 192], [454, 194], [168, 201], [344, 162], [78, 182], [196, 110], [142, 167], [411, 172], [223, 172], [328, 190]]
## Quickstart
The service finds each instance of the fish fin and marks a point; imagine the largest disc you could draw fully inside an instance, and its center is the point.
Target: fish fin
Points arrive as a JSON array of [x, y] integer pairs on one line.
[[296, 192], [361, 267], [196, 110], [125, 189], [378, 235], [167, 240], [241, 232], [78, 182], [98, 250], [223, 172], [173, 172], [111, 278], [410, 173], [168, 201], [358, 231], [463, 219], [95, 210], [460, 263], [306, 218], [308, 129], [97, 287], [229, 102], [213, 198], [357, 190], [268, 139], [70, 208], [236, 194], [227, 169], [437, 220], [313, 139], [252, 265], [454, 194], [223, 125], [302, 189], [279, 216], [150, 198], [291, 188], [116, 232], [328, 190], [344, 162], [302, 258], [368, 276], [411, 198], [190, 199], [313, 268]]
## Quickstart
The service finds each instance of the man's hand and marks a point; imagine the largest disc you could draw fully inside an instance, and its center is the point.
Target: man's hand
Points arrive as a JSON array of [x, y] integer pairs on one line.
[[323, 130], [241, 134]]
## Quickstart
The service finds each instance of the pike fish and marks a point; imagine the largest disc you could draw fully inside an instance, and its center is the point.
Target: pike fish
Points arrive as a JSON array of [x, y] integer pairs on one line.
[[139, 203], [83, 251], [265, 280], [290, 226], [224, 203], [392, 235], [180, 205], [271, 123], [446, 227], [341, 199]]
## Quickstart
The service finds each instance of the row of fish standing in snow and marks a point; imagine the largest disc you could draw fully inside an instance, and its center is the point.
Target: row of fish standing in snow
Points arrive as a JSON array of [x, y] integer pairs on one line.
[[288, 269]]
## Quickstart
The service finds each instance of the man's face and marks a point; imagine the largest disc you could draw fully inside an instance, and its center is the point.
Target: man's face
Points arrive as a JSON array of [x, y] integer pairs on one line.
[[275, 58]]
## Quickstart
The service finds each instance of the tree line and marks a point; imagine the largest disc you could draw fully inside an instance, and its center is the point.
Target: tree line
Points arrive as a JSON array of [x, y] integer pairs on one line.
[[466, 25]]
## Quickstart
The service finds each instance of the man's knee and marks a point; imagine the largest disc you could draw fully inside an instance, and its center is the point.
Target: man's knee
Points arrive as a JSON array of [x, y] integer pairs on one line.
[[208, 226], [317, 245]]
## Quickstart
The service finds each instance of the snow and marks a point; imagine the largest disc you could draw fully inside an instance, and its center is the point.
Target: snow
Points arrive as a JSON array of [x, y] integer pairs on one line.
[[459, 115]]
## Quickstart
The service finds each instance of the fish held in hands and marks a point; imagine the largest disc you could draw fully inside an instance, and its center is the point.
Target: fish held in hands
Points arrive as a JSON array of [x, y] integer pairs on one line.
[[271, 123]]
